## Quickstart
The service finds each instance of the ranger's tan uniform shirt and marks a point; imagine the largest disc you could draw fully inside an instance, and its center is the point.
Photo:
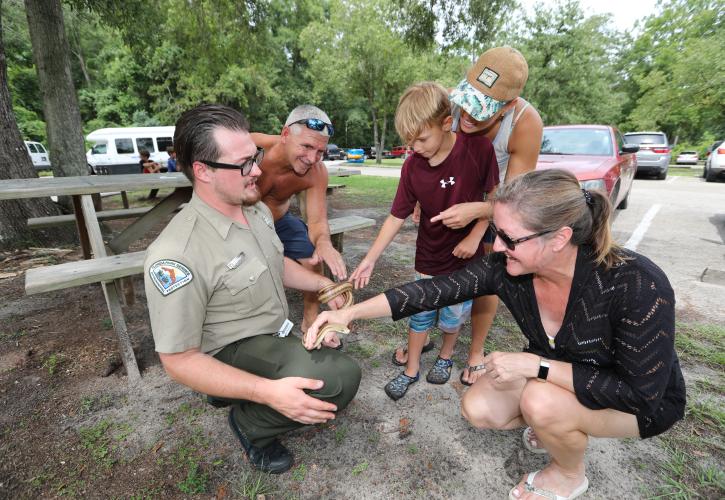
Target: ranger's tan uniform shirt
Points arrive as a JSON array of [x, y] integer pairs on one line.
[[211, 281]]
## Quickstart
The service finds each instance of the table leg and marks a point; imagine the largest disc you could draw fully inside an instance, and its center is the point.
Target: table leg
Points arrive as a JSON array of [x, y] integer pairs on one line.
[[143, 224], [81, 227], [111, 293]]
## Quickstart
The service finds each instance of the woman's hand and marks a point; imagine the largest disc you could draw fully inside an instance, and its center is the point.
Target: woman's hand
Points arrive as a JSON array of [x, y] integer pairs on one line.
[[505, 367], [342, 316]]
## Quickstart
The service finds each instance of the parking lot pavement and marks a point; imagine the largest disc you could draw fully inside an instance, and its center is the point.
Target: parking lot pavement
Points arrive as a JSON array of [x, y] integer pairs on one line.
[[680, 225]]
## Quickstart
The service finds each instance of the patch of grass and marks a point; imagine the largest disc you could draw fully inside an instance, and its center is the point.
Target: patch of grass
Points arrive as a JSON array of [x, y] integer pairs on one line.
[[684, 171], [147, 493], [107, 324], [684, 478], [299, 473], [708, 413], [340, 434], [362, 350], [96, 440], [701, 343], [195, 481], [252, 484], [12, 336], [412, 449], [370, 190], [360, 468], [52, 362]]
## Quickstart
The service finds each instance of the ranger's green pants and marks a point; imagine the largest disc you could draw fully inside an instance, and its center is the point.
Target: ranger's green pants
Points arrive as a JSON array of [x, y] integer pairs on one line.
[[274, 358]]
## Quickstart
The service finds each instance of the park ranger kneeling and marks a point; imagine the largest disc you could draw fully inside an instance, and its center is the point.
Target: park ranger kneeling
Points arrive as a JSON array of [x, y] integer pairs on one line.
[[215, 282]]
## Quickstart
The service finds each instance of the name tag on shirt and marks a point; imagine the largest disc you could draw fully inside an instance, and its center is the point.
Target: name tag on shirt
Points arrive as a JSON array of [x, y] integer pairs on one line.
[[285, 328]]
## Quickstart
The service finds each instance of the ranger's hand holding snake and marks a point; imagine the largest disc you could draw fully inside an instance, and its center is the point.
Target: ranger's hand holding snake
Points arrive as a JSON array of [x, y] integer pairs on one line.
[[314, 338]]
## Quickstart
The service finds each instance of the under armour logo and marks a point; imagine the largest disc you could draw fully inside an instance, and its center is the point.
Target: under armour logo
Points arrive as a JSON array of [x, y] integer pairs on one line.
[[449, 182]]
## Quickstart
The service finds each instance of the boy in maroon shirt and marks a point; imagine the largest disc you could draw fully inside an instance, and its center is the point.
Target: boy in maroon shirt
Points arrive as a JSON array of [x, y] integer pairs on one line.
[[446, 169]]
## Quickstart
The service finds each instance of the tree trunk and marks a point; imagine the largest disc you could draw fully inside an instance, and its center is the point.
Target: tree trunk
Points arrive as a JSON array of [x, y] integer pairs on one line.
[[60, 104], [15, 164]]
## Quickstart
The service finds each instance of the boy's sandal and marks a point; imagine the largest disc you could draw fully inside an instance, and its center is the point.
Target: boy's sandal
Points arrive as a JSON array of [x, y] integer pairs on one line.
[[428, 347], [440, 372], [471, 369], [530, 442], [396, 388], [530, 488]]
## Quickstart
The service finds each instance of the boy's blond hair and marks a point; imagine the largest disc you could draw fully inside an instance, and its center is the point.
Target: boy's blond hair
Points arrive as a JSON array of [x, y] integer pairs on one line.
[[422, 105]]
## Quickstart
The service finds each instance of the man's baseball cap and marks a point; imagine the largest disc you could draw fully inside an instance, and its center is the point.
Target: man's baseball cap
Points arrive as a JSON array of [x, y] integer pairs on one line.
[[497, 77]]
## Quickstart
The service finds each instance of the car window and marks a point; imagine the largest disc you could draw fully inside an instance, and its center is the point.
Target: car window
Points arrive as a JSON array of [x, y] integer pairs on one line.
[[145, 143], [100, 148], [620, 140], [646, 138], [32, 147], [576, 141], [124, 146], [164, 143], [41, 148]]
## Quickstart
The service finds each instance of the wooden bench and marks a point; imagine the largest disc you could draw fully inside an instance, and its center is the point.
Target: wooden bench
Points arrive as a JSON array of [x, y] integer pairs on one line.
[[331, 188], [124, 213], [112, 267]]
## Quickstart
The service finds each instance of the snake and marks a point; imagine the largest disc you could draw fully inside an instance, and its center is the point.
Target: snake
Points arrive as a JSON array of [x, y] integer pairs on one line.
[[326, 294]]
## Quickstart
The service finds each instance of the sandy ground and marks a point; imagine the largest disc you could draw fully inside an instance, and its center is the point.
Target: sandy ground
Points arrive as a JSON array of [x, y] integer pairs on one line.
[[68, 430]]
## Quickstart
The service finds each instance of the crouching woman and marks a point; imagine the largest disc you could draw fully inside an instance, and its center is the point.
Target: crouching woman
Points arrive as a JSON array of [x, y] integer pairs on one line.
[[599, 320]]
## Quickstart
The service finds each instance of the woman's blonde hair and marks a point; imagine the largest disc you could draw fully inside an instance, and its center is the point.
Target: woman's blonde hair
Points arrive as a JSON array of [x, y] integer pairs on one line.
[[422, 105], [546, 200]]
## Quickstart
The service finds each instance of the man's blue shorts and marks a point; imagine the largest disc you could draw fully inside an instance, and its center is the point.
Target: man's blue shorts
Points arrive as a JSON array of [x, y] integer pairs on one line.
[[292, 231]]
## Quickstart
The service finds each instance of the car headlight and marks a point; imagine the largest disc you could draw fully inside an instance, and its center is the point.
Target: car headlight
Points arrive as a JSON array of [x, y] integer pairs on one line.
[[594, 184]]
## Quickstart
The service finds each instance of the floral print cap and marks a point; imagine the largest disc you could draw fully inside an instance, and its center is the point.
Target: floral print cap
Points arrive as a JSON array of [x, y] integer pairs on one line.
[[477, 104]]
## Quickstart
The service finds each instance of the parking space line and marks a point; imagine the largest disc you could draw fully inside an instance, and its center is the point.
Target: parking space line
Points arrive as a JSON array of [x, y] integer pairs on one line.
[[671, 179], [641, 229]]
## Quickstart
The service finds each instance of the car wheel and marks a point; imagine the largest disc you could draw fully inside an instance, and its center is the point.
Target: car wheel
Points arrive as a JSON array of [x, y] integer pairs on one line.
[[625, 202], [662, 175], [710, 177]]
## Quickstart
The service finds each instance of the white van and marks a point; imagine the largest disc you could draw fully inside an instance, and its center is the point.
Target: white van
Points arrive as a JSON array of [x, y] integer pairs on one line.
[[116, 150], [38, 155]]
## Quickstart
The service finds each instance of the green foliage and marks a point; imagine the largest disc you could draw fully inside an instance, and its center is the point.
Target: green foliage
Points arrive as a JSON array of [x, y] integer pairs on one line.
[[195, 481], [571, 57], [354, 58]]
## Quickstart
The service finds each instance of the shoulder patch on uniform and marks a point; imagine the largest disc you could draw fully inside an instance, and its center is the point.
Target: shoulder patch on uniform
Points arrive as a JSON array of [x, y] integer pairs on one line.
[[169, 275]]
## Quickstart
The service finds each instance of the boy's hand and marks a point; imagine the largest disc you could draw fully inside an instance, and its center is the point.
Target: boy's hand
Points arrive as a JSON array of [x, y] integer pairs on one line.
[[458, 216], [466, 248], [416, 214], [360, 277]]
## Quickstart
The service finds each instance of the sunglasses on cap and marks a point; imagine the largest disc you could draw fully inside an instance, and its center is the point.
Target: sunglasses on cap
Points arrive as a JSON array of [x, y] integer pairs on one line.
[[245, 167], [317, 124], [511, 243]]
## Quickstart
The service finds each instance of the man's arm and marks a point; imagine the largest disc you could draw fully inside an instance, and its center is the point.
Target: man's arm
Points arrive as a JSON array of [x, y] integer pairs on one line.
[[319, 228], [207, 375], [264, 141], [525, 144]]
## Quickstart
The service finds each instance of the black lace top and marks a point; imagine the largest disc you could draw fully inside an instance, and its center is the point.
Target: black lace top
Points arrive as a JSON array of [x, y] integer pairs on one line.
[[618, 329]]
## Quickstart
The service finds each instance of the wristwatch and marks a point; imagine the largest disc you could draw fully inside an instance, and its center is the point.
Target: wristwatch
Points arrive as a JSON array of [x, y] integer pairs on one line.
[[543, 369]]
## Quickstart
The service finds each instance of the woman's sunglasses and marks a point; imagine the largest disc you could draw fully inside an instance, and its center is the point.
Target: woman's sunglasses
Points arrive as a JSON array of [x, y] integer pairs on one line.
[[245, 167], [511, 243], [317, 124]]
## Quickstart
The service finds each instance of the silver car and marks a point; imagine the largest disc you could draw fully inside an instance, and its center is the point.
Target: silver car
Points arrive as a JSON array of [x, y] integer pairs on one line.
[[654, 153]]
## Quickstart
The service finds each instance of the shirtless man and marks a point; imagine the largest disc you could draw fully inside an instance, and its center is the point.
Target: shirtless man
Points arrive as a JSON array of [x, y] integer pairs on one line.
[[293, 163]]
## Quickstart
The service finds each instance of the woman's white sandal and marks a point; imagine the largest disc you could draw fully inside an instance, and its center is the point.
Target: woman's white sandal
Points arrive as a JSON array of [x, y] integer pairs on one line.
[[526, 437], [530, 488]]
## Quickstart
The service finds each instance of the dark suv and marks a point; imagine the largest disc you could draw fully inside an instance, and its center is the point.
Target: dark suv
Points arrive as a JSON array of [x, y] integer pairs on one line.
[[654, 153], [334, 153]]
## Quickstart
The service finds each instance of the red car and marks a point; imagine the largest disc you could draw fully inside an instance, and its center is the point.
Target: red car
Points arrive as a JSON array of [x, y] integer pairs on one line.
[[596, 154], [399, 152]]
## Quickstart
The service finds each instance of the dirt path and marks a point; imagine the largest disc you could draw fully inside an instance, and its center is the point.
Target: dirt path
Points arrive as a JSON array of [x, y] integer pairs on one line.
[[67, 430]]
